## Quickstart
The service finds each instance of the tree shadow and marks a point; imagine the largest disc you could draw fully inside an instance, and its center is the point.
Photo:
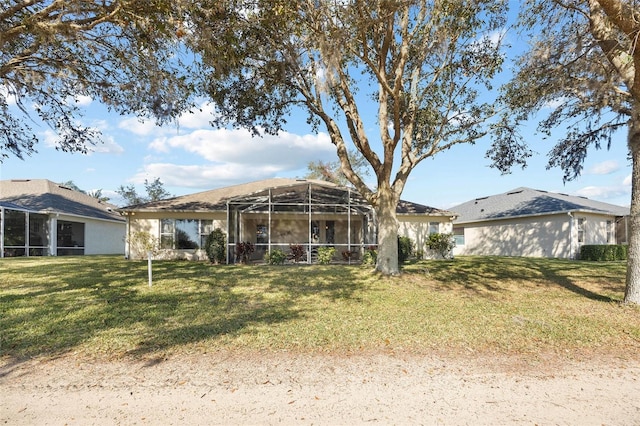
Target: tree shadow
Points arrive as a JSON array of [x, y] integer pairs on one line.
[[484, 275], [54, 307]]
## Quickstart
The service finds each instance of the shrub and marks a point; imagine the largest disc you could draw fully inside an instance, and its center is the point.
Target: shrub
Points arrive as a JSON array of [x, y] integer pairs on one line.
[[243, 251], [325, 255], [441, 244], [297, 252], [216, 246], [603, 252], [370, 256], [276, 257], [405, 248]]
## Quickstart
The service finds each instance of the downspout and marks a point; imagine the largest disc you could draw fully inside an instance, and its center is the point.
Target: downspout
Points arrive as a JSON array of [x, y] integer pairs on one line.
[[570, 235]]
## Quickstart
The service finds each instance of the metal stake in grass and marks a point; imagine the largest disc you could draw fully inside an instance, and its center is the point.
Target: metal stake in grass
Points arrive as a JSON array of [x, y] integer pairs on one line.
[[149, 256]]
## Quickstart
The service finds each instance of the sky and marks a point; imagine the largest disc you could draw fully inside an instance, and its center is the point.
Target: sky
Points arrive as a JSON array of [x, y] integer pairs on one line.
[[190, 156]]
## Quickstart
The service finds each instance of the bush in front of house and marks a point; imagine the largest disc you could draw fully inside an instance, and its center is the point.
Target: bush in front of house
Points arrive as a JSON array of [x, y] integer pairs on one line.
[[441, 243], [276, 257], [298, 252], [602, 252], [243, 251], [405, 249], [325, 255], [370, 256], [216, 246]]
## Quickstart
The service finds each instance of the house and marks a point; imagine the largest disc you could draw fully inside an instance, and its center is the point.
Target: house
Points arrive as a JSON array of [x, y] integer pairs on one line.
[[531, 222], [42, 218], [273, 213]]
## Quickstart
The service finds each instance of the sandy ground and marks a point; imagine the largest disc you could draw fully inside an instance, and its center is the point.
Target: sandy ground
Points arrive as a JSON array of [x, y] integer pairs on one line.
[[321, 389]]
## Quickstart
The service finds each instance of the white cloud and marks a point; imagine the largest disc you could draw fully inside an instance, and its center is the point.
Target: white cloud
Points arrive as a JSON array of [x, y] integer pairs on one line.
[[604, 168], [140, 127], [284, 152], [604, 192], [106, 145], [627, 181], [200, 118], [231, 157], [202, 176], [10, 97]]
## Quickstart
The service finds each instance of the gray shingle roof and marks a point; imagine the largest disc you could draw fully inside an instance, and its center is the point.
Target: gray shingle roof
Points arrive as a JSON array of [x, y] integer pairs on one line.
[[528, 202], [216, 199], [41, 195]]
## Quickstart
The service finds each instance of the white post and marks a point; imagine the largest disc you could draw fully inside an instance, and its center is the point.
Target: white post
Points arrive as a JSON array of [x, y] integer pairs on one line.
[[149, 255]]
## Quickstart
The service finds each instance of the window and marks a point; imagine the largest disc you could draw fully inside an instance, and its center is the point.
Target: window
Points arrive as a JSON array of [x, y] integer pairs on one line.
[[166, 233], [581, 221], [458, 236], [434, 227], [70, 239], [184, 234], [206, 228], [187, 234], [38, 235], [15, 241], [609, 231]]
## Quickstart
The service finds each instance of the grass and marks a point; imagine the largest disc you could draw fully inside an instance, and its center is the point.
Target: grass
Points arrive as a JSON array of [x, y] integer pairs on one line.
[[102, 307]]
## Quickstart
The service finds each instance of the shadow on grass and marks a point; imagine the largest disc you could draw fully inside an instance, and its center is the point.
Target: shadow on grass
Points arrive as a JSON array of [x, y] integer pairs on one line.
[[481, 275], [51, 306]]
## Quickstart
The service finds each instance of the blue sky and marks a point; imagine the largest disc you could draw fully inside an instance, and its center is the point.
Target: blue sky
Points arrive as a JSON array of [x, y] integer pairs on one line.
[[192, 156]]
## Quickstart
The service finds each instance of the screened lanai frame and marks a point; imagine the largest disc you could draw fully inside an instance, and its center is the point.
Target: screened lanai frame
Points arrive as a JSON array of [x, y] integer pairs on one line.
[[303, 206]]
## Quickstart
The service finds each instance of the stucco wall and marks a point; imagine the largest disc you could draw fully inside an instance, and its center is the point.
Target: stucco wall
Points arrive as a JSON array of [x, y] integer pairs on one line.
[[542, 236], [150, 222], [104, 237]]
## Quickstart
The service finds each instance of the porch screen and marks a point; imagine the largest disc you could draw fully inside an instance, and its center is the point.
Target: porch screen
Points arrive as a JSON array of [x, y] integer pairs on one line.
[[70, 238]]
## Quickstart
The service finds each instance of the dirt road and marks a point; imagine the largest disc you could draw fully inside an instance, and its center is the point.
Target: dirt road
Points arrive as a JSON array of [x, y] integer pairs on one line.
[[321, 389]]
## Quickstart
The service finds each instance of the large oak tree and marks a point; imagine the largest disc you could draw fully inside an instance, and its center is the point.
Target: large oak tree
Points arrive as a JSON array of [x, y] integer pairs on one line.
[[123, 53], [421, 65], [583, 65]]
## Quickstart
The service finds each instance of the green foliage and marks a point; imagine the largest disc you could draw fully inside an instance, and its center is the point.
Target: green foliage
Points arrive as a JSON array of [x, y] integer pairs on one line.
[[441, 243], [405, 249], [243, 251], [155, 191], [297, 252], [216, 246], [123, 54], [609, 252], [370, 256], [325, 255], [276, 257]]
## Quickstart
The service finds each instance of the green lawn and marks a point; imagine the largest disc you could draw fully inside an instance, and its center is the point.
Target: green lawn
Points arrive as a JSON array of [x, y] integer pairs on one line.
[[103, 307]]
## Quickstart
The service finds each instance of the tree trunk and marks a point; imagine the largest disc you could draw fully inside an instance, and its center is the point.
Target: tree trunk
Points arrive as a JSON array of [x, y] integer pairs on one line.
[[387, 261], [632, 290]]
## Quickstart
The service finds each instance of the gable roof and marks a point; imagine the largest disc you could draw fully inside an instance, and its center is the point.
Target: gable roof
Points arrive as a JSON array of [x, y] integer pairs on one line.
[[44, 196], [530, 202], [216, 199]]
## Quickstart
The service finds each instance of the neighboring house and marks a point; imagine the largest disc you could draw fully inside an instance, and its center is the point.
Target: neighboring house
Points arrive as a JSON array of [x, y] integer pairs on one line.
[[530, 222], [41, 218], [273, 213]]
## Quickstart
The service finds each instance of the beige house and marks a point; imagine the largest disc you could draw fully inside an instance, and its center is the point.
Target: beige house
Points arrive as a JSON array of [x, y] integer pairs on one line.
[[535, 223], [274, 213], [42, 218]]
